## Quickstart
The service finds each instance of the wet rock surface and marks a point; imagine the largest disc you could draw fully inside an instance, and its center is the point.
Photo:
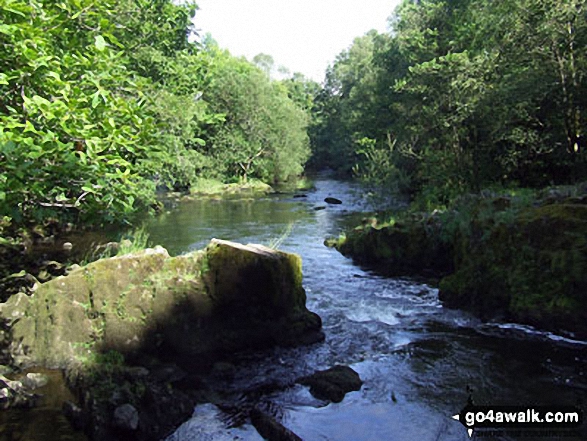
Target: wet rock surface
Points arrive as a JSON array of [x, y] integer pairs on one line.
[[332, 384], [34, 380], [13, 394], [119, 403], [333, 201], [126, 418]]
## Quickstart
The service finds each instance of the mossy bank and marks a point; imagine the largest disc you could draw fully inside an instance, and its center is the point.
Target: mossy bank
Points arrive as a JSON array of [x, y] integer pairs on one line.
[[505, 257]]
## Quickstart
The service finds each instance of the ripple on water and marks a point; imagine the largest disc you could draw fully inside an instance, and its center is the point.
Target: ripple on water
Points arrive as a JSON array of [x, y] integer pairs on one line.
[[206, 424], [357, 420]]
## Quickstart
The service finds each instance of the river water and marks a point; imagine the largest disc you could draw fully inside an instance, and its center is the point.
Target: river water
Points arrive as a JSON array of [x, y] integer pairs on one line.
[[419, 361]]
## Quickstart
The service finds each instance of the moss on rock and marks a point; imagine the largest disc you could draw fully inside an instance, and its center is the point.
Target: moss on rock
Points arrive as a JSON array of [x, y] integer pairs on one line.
[[222, 299], [533, 270], [409, 247], [519, 261]]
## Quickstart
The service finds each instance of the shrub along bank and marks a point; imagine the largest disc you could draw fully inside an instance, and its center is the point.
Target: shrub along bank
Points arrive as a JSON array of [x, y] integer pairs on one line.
[[516, 257]]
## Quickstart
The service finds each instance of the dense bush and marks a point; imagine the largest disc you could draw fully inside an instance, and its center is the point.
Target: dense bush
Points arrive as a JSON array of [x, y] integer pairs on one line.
[[101, 102]]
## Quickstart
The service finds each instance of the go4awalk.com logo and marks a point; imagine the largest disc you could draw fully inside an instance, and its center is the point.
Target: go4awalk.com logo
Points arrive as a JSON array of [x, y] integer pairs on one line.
[[564, 420]]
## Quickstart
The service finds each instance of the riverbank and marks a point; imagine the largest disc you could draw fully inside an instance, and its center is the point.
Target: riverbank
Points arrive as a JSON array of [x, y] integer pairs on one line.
[[519, 257], [252, 187]]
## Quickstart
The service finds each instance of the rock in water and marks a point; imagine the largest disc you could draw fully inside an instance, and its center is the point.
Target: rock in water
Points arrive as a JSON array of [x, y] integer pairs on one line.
[[34, 380], [14, 394], [332, 384], [222, 299], [269, 428], [332, 201], [126, 417]]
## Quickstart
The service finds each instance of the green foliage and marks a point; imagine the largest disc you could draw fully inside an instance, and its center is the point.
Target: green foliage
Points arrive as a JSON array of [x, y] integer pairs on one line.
[[460, 95], [263, 133], [135, 240], [103, 102], [347, 109], [71, 116], [276, 242], [301, 91]]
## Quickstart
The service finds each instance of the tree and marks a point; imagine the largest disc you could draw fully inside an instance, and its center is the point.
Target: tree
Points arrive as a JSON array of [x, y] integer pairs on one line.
[[265, 63], [72, 125], [263, 133], [461, 95], [348, 105]]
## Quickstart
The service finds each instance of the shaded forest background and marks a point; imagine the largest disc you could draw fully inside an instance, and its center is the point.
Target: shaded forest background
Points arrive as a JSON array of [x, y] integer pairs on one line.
[[461, 95]]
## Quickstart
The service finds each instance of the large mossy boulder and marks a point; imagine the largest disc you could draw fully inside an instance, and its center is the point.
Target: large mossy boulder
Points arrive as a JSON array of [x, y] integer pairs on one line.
[[531, 269], [525, 263], [225, 298], [408, 247]]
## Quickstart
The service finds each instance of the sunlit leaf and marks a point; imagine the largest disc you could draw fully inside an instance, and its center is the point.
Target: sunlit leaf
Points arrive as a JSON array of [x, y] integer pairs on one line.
[[100, 43], [95, 100]]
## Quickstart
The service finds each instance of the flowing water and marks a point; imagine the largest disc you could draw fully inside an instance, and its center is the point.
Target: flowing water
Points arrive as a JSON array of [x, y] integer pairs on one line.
[[419, 361]]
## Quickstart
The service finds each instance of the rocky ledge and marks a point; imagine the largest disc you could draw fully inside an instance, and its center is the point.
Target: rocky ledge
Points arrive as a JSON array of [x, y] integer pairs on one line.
[[525, 263], [117, 323]]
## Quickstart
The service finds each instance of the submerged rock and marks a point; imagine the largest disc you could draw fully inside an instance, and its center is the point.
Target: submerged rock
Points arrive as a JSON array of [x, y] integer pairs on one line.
[[332, 384], [225, 298], [333, 201]]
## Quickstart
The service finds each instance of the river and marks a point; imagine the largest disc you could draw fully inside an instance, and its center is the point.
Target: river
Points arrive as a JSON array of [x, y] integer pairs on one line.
[[419, 361]]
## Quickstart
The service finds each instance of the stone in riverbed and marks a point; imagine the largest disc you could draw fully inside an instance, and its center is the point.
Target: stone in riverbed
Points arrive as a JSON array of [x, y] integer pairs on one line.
[[332, 384], [14, 394], [34, 380], [126, 417]]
